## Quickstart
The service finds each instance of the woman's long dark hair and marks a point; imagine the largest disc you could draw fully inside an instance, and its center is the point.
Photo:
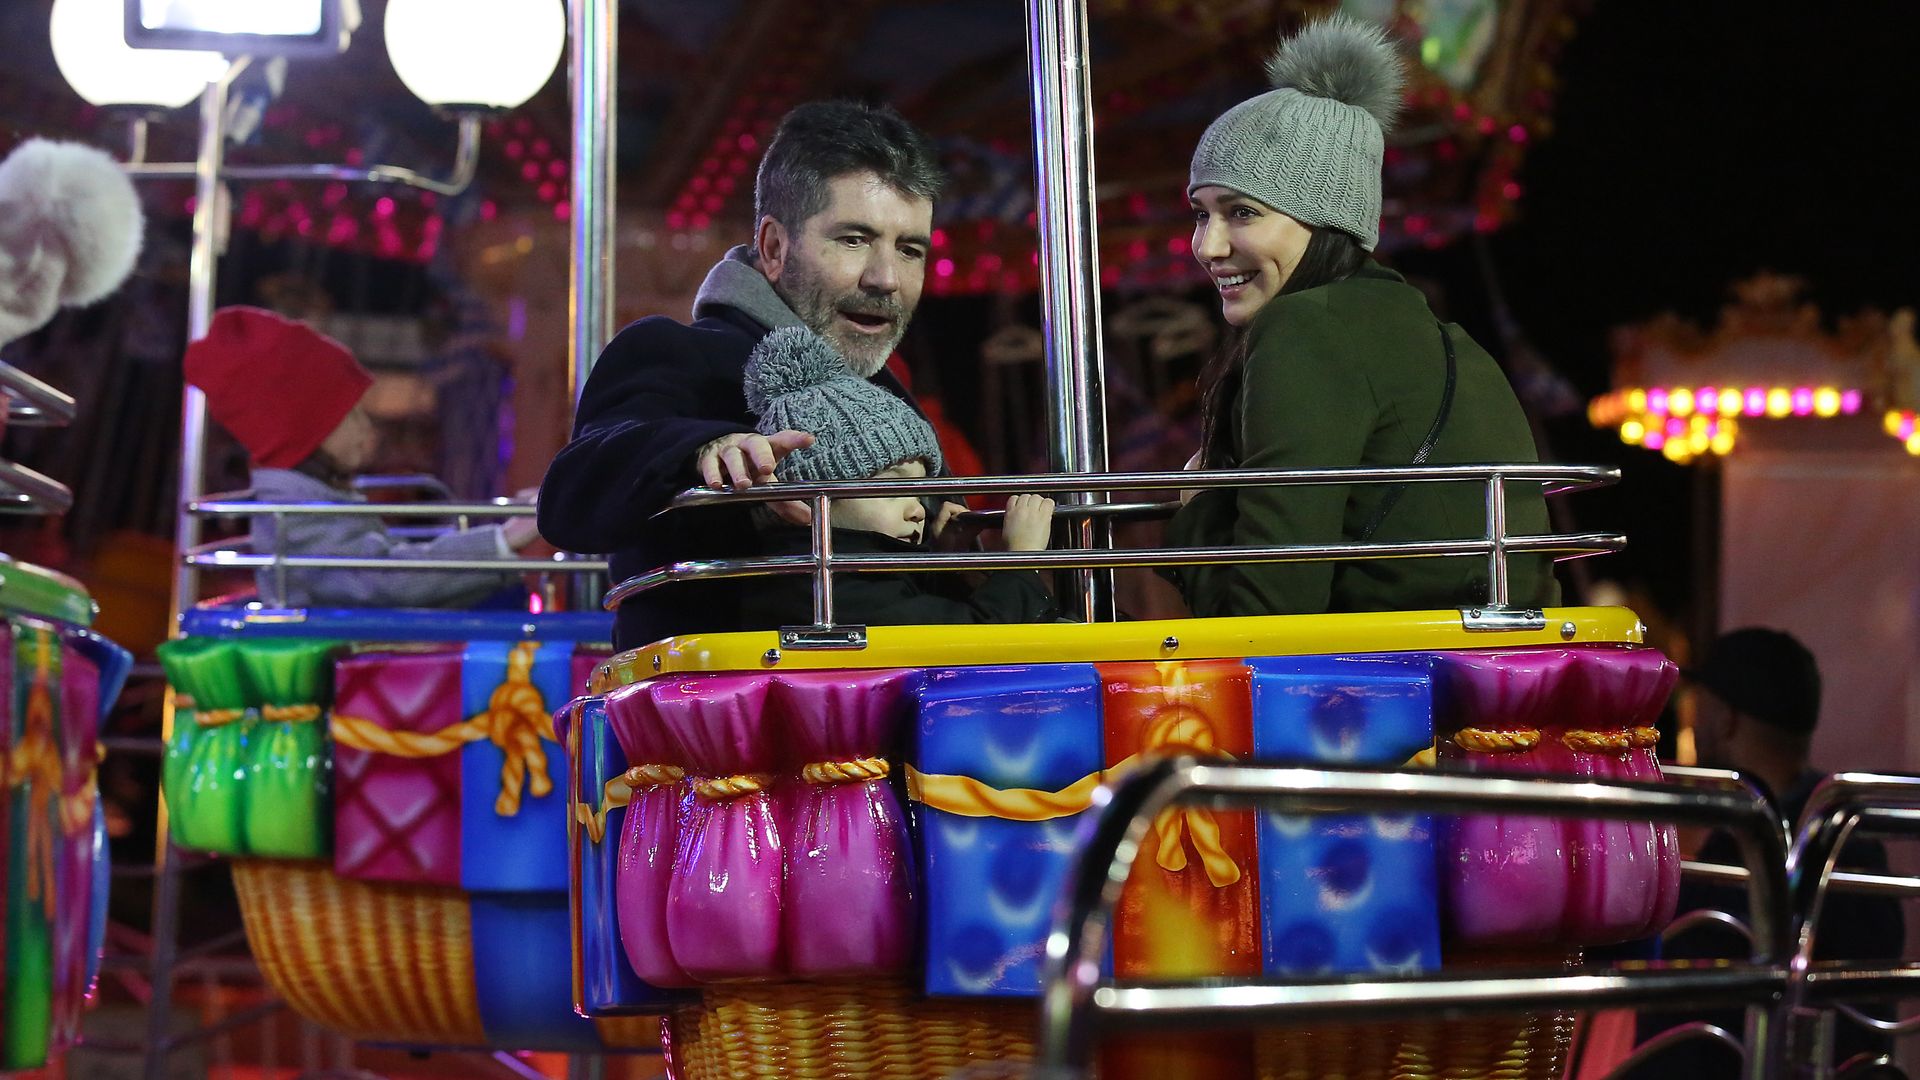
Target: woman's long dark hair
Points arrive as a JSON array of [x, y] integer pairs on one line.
[[1331, 256]]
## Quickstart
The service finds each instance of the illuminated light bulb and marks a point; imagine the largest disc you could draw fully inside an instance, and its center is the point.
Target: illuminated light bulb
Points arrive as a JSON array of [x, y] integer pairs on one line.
[[1826, 402], [1655, 440], [1802, 400], [1657, 401], [1707, 400], [1699, 440], [1906, 426], [1729, 402], [1632, 432], [1637, 400], [1892, 423], [1676, 427], [1779, 402], [490, 54], [1597, 413], [1680, 402], [1676, 451], [1722, 443], [1913, 444], [1756, 401], [1849, 402], [1698, 423]]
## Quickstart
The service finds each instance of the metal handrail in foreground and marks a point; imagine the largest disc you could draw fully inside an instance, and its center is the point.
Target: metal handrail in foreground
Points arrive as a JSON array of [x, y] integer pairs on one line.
[[24, 491], [1494, 546], [237, 553], [33, 403], [1074, 1001]]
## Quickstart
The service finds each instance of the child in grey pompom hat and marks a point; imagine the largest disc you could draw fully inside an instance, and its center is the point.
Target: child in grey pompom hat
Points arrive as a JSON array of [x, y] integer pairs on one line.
[[1312, 147], [796, 381]]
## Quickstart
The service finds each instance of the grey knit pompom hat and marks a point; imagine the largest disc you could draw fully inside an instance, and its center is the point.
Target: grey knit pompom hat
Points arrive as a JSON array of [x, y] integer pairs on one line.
[[1312, 147], [796, 381]]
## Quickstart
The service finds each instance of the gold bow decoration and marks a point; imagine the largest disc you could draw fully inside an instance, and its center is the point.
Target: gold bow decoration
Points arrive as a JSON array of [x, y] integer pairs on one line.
[[1175, 729], [516, 720]]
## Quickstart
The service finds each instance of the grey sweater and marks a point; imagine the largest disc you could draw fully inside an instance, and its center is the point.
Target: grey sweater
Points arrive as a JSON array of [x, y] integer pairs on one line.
[[364, 536]]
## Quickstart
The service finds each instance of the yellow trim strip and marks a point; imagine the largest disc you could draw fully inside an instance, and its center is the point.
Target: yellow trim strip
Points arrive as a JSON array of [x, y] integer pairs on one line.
[[1170, 639]]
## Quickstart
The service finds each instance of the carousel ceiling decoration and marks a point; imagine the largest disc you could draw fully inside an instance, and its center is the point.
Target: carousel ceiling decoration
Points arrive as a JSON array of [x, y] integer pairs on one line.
[[1685, 392]]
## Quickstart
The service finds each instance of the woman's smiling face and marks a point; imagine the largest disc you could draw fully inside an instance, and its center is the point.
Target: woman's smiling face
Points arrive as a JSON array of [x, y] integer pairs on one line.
[[1247, 247]]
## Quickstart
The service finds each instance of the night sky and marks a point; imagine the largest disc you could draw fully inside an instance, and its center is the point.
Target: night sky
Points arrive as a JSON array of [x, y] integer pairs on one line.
[[1695, 144]]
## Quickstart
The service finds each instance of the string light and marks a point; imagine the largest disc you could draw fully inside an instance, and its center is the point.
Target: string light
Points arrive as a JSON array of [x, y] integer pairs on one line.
[[1685, 422]]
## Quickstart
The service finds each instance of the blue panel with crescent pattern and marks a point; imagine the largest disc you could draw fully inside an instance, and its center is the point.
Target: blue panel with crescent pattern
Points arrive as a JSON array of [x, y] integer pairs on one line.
[[990, 884], [1345, 894]]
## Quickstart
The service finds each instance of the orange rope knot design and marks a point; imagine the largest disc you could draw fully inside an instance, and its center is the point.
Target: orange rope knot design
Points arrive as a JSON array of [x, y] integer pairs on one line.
[[1177, 730], [275, 714], [1611, 742], [846, 772], [516, 721], [1496, 742], [620, 791], [732, 787], [1183, 730]]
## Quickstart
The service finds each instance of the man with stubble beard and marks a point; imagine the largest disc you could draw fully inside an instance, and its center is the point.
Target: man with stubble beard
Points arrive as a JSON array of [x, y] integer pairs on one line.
[[843, 205]]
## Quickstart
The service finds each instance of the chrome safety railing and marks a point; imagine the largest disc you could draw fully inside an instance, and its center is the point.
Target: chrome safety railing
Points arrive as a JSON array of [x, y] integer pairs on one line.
[[237, 553], [1495, 545], [1791, 999], [32, 403], [1077, 1004]]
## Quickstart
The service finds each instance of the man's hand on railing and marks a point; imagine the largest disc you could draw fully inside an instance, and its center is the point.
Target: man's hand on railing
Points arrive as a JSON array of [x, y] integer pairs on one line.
[[746, 458]]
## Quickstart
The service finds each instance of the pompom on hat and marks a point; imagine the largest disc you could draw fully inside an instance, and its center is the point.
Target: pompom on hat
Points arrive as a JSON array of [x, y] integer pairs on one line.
[[70, 231], [1312, 147], [796, 381], [279, 386]]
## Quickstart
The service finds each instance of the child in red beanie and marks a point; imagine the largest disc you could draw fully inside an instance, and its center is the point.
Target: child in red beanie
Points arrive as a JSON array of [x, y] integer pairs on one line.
[[291, 396]]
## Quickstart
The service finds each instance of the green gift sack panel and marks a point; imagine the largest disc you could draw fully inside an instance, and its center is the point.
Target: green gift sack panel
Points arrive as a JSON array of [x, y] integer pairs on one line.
[[249, 770]]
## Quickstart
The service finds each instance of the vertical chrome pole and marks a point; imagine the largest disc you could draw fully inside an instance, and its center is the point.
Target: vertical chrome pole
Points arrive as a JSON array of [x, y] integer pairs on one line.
[[593, 26], [209, 231], [823, 561], [1070, 265], [1498, 592]]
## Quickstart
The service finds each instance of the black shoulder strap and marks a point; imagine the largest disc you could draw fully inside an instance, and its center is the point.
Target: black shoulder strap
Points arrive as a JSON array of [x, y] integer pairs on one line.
[[1426, 446]]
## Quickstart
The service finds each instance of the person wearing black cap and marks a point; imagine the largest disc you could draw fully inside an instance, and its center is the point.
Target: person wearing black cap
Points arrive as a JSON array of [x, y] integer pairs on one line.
[[1756, 703]]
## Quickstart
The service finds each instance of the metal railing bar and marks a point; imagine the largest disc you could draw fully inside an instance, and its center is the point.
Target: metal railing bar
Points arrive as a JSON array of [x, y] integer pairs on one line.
[[247, 508], [34, 403], [235, 560], [1844, 881], [465, 165], [1443, 995], [1891, 1027], [1698, 1030], [1127, 809], [1570, 478], [1569, 544], [22, 490]]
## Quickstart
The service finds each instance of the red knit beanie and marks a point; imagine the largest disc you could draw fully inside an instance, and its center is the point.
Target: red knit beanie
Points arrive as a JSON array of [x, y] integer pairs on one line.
[[279, 386]]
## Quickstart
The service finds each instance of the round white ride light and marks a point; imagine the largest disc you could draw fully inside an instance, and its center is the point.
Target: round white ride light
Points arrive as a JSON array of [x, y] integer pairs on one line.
[[90, 47], [489, 54]]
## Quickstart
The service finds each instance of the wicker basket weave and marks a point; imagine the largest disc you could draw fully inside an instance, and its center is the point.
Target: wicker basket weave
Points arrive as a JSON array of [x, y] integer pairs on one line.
[[389, 963], [813, 1030]]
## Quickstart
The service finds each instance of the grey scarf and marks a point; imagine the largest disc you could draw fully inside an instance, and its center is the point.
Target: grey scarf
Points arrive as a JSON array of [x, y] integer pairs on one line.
[[736, 283]]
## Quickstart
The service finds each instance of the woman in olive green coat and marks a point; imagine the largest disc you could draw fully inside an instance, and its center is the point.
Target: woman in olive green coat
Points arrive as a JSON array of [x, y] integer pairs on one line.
[[1337, 361]]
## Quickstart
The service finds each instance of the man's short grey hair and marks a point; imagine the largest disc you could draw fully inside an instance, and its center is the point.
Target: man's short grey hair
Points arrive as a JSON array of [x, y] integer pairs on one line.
[[822, 140]]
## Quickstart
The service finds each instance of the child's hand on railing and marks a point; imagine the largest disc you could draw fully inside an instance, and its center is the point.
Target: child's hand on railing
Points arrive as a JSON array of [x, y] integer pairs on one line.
[[522, 531], [1028, 524]]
